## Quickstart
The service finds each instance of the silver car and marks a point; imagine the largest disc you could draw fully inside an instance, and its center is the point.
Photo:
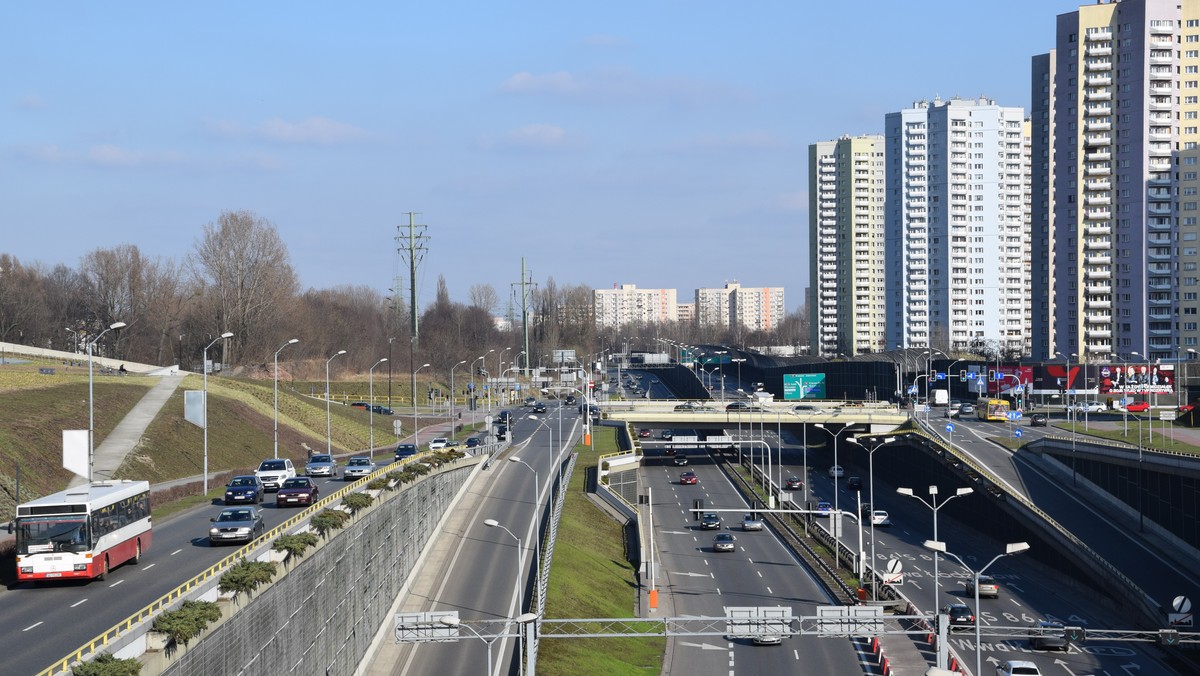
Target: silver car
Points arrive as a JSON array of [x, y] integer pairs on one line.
[[751, 522], [358, 467], [236, 524], [321, 464]]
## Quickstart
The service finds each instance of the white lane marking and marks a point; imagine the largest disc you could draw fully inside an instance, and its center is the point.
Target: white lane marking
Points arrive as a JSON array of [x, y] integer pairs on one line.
[[149, 566], [176, 552], [718, 591], [31, 626], [796, 654], [78, 603], [769, 591], [759, 573], [115, 584]]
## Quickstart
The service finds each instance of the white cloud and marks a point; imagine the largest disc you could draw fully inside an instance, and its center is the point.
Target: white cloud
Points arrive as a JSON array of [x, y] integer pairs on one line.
[[532, 137], [31, 102], [107, 155], [556, 83], [621, 86]]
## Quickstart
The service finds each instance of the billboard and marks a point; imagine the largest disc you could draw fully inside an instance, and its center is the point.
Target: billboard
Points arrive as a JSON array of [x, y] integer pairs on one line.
[[1119, 379], [803, 386]]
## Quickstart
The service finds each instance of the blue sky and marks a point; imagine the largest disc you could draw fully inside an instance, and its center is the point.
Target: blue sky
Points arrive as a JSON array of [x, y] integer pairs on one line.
[[662, 144]]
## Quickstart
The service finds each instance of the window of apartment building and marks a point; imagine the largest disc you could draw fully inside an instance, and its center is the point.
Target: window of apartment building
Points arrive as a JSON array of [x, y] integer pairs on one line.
[[1191, 38], [1190, 99], [1192, 54]]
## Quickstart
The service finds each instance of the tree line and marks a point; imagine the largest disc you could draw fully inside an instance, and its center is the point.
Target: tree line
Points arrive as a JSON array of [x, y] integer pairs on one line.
[[238, 277]]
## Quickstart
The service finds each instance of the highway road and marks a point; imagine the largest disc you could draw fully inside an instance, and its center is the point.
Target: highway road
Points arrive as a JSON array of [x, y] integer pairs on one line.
[[481, 580], [41, 624], [699, 581]]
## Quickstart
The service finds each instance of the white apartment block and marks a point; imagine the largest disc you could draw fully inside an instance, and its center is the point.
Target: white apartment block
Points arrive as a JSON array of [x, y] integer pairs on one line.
[[1120, 135], [957, 223], [847, 240], [757, 309], [627, 304]]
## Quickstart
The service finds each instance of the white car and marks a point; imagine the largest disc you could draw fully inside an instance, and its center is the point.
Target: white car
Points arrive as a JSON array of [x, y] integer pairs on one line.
[[836, 472], [880, 517], [1089, 407], [1018, 668], [274, 472], [438, 443]]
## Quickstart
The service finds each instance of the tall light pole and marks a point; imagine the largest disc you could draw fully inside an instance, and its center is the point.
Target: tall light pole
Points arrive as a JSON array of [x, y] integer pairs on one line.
[[1009, 549], [822, 427], [328, 415], [879, 443], [276, 375], [499, 371], [74, 339], [472, 398], [371, 405], [453, 392], [92, 398], [492, 523], [935, 506], [453, 621], [416, 430], [204, 365], [537, 518]]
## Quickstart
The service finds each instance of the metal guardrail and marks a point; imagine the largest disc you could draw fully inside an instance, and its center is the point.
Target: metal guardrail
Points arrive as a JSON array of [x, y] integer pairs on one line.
[[63, 665], [1149, 606]]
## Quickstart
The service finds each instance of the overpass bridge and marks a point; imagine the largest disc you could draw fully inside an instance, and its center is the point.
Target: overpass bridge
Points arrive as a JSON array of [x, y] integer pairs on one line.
[[867, 418]]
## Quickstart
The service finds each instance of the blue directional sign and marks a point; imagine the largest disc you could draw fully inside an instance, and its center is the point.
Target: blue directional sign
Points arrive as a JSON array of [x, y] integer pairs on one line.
[[971, 375], [941, 375], [950, 427], [1017, 433], [912, 389], [1014, 415]]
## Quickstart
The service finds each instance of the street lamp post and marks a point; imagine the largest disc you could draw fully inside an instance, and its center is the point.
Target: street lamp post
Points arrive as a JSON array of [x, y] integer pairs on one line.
[[492, 523], [822, 427], [453, 393], [74, 339], [471, 399], [416, 430], [935, 506], [328, 415], [92, 398], [1009, 549], [537, 517], [879, 443], [371, 405], [204, 365], [499, 371], [276, 399], [453, 621]]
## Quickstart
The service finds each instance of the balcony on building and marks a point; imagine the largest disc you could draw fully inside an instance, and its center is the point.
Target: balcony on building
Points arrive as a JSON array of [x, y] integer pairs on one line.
[[1099, 109], [1098, 260], [1097, 243], [1100, 80], [1098, 125], [1098, 139], [1153, 255], [1160, 103], [1098, 184], [1157, 89], [1099, 170], [1098, 34], [1097, 214], [1099, 304], [1160, 42], [1097, 273], [1162, 58], [1101, 155], [1098, 65], [1099, 333], [1098, 290], [1159, 208], [1098, 95], [1162, 178]]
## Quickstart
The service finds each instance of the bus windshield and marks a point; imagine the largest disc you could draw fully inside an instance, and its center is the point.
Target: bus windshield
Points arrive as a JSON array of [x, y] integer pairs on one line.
[[36, 535]]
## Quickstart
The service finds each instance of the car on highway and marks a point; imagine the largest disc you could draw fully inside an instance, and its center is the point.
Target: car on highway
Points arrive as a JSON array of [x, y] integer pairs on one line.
[[751, 522], [504, 417], [530, 401], [321, 464], [710, 521], [274, 472], [644, 433], [666, 435], [987, 587], [809, 409], [299, 490], [724, 542], [405, 451], [360, 404], [438, 443], [793, 483], [960, 615], [357, 467], [472, 442], [744, 406], [836, 472], [680, 460], [688, 479], [235, 524], [1039, 420], [1138, 407], [569, 401], [767, 639], [244, 489], [691, 406], [539, 407], [381, 410], [963, 411], [824, 508], [854, 483], [1088, 407], [880, 517], [1018, 668], [1048, 635]]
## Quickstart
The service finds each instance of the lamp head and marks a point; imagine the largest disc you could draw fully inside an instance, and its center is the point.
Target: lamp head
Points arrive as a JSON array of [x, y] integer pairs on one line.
[[293, 341], [381, 360], [117, 325], [491, 523], [1016, 547], [905, 491], [227, 334], [935, 545]]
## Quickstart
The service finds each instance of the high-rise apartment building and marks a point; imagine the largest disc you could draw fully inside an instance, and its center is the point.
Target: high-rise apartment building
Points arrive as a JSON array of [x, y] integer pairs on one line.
[[627, 304], [957, 223], [846, 241], [1121, 97], [757, 309]]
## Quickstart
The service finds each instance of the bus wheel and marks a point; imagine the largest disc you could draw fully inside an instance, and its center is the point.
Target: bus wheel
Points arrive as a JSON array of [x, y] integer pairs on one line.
[[137, 556], [103, 571]]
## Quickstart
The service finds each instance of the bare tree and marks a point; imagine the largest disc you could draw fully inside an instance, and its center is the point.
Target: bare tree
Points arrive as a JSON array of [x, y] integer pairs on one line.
[[244, 265], [483, 296], [20, 299]]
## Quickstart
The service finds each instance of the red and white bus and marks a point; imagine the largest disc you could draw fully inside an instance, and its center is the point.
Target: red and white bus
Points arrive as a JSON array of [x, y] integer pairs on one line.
[[83, 532]]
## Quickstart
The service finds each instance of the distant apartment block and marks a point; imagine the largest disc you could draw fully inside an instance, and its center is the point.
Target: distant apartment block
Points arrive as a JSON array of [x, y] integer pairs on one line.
[[627, 304], [846, 193], [757, 309], [957, 226], [1116, 128], [686, 312]]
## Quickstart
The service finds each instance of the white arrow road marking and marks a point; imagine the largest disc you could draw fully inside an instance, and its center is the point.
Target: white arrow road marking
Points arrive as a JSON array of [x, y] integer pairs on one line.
[[702, 646]]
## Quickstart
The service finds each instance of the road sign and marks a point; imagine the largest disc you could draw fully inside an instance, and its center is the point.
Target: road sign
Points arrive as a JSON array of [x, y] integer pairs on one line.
[[912, 389], [971, 375], [1181, 604], [950, 427], [895, 566], [894, 579], [941, 375], [1014, 415], [1166, 415], [1179, 620], [396, 427], [1018, 433]]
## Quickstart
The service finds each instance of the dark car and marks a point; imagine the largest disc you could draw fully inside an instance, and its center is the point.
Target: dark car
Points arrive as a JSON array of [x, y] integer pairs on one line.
[[381, 410], [244, 489], [793, 483], [1038, 420], [710, 521], [724, 542], [472, 442], [644, 433], [569, 401], [539, 407], [501, 432], [405, 451], [236, 524], [854, 483], [360, 404], [960, 615], [297, 491], [666, 435], [680, 460], [688, 479], [739, 406], [1048, 635], [504, 417]]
